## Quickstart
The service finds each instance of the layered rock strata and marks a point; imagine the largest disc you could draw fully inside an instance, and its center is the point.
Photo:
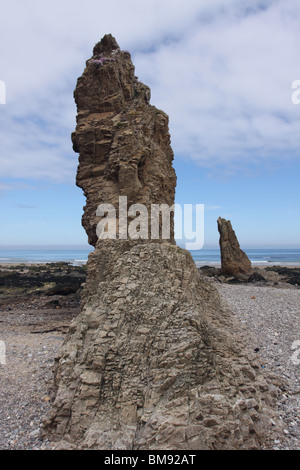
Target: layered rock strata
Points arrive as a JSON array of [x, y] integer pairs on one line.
[[154, 360], [123, 142], [233, 259]]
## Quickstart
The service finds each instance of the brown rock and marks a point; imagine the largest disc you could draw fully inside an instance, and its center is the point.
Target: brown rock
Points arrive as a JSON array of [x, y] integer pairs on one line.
[[123, 142], [149, 364], [233, 259], [154, 360]]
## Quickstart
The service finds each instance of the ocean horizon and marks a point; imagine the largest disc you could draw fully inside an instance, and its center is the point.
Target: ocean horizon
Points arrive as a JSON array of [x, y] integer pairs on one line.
[[257, 256]]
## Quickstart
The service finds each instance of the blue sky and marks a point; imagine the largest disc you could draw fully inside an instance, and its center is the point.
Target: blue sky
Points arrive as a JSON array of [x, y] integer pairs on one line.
[[222, 71]]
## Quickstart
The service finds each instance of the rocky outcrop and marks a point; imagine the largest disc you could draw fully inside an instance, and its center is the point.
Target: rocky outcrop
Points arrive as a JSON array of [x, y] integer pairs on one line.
[[51, 278], [154, 360], [123, 142], [233, 260], [285, 274]]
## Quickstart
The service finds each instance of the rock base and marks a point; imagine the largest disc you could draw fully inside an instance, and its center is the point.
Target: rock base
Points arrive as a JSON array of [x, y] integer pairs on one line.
[[155, 360]]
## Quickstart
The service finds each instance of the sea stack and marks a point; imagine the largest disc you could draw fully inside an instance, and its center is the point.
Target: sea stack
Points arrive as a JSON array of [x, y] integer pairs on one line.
[[123, 142], [155, 360], [234, 260]]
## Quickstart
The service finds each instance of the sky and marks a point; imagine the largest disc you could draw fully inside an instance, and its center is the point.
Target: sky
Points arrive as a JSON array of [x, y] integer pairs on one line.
[[223, 72]]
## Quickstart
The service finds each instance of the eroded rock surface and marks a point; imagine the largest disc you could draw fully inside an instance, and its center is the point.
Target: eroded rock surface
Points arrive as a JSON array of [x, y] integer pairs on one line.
[[123, 142], [154, 360], [233, 259]]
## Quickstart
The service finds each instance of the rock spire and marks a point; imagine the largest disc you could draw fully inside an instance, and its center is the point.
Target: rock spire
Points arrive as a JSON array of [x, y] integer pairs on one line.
[[155, 360], [123, 142]]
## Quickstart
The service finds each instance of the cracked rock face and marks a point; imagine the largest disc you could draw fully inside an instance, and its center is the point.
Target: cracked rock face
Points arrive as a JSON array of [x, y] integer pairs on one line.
[[233, 259], [154, 360]]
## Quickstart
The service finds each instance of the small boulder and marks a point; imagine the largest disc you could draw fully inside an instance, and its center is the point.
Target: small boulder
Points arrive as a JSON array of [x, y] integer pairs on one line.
[[256, 277]]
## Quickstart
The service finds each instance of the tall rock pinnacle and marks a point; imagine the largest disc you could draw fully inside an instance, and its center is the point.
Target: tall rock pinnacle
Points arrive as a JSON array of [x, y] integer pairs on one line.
[[233, 259], [155, 360], [123, 142]]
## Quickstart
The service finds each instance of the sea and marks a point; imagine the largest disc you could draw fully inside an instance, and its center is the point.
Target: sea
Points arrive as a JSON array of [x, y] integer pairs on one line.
[[210, 257], [257, 256]]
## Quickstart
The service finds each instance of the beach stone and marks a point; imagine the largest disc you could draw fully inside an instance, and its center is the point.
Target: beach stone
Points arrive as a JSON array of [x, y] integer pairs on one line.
[[155, 359], [209, 271], [256, 277], [295, 431]]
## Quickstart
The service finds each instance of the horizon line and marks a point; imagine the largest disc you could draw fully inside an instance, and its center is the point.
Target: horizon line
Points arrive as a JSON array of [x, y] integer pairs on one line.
[[78, 246]]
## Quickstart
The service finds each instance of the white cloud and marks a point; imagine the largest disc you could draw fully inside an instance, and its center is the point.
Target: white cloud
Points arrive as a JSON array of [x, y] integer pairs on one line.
[[229, 87], [223, 71]]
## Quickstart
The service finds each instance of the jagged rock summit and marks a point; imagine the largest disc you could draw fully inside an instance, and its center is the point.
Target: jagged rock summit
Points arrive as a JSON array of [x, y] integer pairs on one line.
[[154, 360], [233, 259]]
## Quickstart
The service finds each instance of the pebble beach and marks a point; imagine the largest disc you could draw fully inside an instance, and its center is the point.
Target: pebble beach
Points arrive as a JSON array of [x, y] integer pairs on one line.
[[271, 316], [33, 326]]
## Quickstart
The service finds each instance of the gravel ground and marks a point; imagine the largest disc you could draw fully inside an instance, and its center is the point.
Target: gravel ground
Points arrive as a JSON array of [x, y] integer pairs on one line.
[[271, 315], [272, 318], [25, 386]]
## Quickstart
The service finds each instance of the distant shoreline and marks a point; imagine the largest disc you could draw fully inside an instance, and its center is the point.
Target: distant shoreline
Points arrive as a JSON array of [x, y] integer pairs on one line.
[[259, 258], [41, 264], [213, 264]]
